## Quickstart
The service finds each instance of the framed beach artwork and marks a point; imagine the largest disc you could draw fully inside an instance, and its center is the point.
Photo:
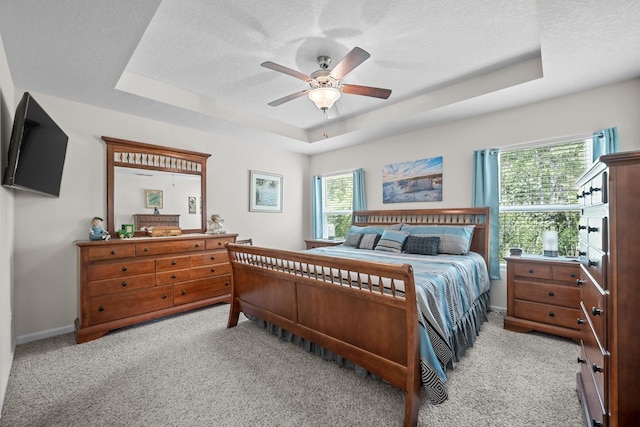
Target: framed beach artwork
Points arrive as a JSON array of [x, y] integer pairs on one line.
[[153, 199], [265, 192], [415, 181]]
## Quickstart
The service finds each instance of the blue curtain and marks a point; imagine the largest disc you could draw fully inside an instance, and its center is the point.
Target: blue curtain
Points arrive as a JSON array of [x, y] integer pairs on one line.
[[605, 141], [316, 207], [485, 193], [359, 195]]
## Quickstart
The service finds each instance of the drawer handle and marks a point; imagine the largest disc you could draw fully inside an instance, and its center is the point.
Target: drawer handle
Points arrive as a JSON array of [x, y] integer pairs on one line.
[[579, 282], [581, 360], [582, 253], [551, 293], [113, 252], [173, 263], [197, 245], [596, 368], [579, 196], [173, 276], [213, 270], [592, 229], [226, 283], [585, 193], [183, 293], [596, 311], [531, 270], [124, 284], [100, 308], [574, 275], [219, 243], [594, 189], [164, 296], [552, 314], [581, 321], [213, 257], [124, 268], [146, 249], [582, 227], [596, 423], [592, 263]]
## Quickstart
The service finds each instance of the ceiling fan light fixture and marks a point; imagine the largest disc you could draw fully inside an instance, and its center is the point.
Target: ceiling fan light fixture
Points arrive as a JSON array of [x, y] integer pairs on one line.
[[324, 97]]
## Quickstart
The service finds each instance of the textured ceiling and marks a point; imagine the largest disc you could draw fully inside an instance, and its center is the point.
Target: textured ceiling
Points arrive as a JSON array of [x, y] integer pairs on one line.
[[197, 62]]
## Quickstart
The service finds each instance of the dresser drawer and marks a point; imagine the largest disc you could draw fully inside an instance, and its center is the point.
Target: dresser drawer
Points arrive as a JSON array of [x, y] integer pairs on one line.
[[215, 257], [106, 308], [595, 263], [593, 231], [210, 271], [549, 294], [201, 289], [110, 286], [171, 277], [219, 242], [592, 397], [594, 306], [169, 247], [99, 253], [568, 275], [549, 314], [120, 269], [172, 263], [538, 271], [597, 361]]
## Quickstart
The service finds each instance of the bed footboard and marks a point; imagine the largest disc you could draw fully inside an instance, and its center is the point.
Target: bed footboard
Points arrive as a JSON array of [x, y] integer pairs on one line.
[[364, 311]]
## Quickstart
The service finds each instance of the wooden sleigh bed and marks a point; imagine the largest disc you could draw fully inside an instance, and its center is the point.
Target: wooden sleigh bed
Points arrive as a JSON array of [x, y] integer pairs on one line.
[[371, 312]]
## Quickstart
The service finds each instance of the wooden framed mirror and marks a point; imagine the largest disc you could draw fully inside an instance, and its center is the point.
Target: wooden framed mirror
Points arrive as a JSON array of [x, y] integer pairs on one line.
[[145, 179]]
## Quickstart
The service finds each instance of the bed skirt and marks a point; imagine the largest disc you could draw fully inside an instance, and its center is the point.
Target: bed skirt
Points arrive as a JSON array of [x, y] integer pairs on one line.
[[463, 337]]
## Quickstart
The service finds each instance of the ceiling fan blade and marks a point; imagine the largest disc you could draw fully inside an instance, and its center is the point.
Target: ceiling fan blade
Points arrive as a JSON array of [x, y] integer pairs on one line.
[[288, 98], [375, 92], [282, 69], [354, 58]]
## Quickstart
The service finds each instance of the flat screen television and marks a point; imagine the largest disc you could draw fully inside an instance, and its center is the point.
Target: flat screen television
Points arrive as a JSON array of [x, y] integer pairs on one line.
[[36, 151]]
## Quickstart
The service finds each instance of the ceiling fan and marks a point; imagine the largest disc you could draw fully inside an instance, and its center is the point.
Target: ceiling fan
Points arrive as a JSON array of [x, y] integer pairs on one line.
[[326, 85]]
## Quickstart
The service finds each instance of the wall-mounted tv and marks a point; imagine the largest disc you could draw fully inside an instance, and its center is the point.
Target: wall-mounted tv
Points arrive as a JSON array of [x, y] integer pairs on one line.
[[36, 151]]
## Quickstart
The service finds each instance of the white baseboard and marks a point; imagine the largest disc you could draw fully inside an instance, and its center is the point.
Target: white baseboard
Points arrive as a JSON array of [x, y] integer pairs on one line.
[[23, 339], [5, 386], [497, 308]]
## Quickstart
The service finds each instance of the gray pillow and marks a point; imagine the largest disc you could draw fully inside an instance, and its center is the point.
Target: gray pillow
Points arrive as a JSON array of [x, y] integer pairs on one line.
[[369, 241], [353, 239], [422, 245]]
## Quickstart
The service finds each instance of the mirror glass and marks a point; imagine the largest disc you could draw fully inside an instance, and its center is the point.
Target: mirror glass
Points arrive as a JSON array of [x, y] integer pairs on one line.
[[175, 193]]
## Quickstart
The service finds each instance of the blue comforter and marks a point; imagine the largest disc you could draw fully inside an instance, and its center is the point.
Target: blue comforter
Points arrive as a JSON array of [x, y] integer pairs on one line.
[[452, 297]]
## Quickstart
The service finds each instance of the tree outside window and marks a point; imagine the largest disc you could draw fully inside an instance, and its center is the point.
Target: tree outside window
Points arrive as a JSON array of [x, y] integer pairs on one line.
[[337, 205]]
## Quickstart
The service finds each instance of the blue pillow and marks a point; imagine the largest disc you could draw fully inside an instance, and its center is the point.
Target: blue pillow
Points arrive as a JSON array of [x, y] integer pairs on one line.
[[454, 239], [422, 245], [392, 241]]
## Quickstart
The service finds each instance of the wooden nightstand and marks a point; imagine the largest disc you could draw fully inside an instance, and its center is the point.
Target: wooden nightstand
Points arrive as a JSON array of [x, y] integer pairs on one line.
[[543, 295], [318, 243]]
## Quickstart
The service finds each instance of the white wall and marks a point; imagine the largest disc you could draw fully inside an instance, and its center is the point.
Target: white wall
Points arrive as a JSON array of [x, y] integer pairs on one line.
[[7, 342], [581, 113], [45, 264]]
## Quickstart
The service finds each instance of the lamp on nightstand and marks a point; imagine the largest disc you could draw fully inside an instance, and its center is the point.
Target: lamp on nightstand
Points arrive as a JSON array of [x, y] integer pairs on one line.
[[550, 243]]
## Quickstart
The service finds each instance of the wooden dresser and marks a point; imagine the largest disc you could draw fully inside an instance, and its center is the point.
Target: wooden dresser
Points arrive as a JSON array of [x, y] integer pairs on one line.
[[155, 220], [608, 383], [542, 295], [127, 281]]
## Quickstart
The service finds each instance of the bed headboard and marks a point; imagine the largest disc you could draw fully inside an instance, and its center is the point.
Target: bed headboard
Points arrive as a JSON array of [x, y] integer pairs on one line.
[[458, 216]]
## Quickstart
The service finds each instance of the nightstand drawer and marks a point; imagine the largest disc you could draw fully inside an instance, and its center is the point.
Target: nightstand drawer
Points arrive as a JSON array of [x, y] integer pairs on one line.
[[538, 271], [550, 294], [549, 314]]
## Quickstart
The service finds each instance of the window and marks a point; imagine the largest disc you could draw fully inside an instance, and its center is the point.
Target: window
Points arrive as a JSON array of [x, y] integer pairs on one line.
[[538, 193], [337, 205]]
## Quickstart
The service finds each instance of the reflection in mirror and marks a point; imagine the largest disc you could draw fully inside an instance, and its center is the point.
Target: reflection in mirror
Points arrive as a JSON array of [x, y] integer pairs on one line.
[[140, 176], [180, 195]]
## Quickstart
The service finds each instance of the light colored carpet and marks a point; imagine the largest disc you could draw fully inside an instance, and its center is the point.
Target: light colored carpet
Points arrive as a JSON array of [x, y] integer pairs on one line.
[[189, 370]]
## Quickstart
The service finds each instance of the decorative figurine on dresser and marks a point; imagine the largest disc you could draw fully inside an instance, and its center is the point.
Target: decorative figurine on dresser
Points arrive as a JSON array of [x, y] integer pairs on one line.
[[608, 382], [124, 281], [97, 231]]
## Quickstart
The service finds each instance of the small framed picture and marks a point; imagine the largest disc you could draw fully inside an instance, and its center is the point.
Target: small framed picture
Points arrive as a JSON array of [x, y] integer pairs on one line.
[[265, 192], [153, 198], [192, 205]]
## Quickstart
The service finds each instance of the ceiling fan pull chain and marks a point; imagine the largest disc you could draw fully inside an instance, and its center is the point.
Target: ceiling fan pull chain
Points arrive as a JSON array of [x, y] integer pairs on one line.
[[326, 119]]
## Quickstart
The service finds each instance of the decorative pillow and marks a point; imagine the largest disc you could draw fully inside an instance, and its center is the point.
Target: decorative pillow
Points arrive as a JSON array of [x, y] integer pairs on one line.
[[454, 240], [392, 241], [368, 241], [353, 239], [422, 245]]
